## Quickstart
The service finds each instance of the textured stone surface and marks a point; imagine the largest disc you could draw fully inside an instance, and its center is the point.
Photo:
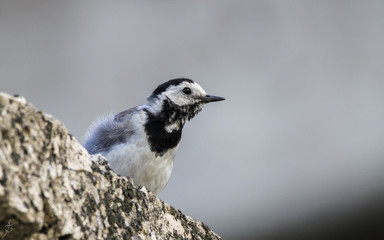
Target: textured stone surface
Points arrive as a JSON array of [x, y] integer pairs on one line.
[[50, 188]]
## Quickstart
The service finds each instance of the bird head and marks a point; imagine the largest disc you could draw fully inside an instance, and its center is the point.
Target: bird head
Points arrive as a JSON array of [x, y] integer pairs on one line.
[[184, 94]]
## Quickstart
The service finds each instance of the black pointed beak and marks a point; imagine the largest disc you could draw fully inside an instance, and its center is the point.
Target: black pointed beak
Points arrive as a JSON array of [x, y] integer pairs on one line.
[[210, 98]]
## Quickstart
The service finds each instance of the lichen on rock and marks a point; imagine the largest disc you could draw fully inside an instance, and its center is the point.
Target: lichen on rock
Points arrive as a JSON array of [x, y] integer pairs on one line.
[[50, 188]]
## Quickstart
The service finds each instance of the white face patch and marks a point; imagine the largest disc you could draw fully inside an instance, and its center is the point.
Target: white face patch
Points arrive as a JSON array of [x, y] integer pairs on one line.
[[178, 97], [180, 102]]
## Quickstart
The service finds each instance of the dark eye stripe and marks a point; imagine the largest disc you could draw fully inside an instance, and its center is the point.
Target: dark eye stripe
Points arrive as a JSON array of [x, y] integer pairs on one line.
[[187, 90]]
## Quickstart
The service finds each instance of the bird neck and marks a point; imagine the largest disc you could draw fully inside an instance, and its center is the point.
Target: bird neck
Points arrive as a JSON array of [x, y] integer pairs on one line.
[[164, 127], [171, 116]]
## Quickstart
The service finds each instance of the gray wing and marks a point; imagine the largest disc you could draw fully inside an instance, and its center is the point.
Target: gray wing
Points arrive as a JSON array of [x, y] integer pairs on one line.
[[108, 131]]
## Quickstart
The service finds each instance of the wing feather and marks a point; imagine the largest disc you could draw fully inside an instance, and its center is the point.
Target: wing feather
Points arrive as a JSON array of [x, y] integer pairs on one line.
[[109, 130]]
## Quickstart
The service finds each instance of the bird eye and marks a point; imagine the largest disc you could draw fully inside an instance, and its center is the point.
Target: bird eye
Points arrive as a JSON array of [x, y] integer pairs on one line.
[[187, 90]]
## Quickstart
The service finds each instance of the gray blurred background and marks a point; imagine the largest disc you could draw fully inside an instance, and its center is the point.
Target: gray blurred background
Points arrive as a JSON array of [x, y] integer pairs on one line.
[[297, 149]]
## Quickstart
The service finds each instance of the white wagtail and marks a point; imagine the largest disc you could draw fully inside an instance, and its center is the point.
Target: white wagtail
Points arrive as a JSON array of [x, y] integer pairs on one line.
[[141, 142]]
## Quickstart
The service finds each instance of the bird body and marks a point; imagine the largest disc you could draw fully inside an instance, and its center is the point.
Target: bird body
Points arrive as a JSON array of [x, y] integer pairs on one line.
[[142, 142]]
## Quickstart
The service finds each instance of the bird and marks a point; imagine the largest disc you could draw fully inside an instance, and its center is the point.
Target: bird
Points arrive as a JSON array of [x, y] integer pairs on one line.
[[141, 142]]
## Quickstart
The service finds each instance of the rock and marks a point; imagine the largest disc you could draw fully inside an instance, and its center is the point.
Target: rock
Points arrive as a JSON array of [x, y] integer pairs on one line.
[[50, 188]]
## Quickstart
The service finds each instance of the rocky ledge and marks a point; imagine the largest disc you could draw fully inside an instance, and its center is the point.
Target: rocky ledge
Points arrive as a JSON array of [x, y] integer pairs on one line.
[[51, 188]]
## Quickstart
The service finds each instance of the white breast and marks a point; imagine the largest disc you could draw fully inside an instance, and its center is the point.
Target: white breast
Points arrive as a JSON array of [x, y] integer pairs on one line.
[[135, 159], [142, 165]]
